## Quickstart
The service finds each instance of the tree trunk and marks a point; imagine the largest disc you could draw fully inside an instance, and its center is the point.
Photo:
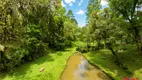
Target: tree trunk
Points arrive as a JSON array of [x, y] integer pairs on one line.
[[99, 45], [138, 39], [110, 48]]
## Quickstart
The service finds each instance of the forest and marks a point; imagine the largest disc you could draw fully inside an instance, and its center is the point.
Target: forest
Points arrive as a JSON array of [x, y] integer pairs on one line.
[[42, 35]]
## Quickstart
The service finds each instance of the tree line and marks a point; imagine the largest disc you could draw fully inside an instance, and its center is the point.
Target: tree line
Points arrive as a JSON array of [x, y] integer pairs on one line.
[[30, 28], [116, 26]]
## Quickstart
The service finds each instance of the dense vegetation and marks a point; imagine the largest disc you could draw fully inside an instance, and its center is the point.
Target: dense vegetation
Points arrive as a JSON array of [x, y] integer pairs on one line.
[[116, 26], [117, 29], [30, 29]]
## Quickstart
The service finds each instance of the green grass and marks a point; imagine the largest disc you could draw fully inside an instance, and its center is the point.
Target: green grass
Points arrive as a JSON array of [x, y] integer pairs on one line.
[[54, 64], [105, 61]]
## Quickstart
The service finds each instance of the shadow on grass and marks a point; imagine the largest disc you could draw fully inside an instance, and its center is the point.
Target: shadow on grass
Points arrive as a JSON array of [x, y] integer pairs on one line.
[[129, 58], [19, 71], [59, 53], [132, 59], [105, 60]]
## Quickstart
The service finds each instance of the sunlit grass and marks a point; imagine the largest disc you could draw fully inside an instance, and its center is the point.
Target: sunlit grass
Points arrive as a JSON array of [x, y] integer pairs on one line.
[[54, 64], [105, 60]]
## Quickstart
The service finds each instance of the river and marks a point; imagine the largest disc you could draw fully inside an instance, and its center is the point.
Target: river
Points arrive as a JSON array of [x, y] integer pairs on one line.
[[78, 68]]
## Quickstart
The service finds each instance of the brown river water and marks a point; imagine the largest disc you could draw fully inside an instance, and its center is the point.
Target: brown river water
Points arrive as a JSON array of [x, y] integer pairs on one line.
[[78, 68]]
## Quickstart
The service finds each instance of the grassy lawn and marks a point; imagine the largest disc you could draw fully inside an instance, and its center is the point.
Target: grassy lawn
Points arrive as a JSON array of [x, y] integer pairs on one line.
[[105, 61], [54, 64]]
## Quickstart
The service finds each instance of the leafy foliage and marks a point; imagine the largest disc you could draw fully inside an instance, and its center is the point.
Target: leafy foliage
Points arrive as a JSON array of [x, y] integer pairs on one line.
[[114, 27], [37, 26]]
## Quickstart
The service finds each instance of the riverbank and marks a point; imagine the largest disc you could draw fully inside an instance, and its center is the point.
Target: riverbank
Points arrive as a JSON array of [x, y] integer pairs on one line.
[[53, 64], [105, 61]]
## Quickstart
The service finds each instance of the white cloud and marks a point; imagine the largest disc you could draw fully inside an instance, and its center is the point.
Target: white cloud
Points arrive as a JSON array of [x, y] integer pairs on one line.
[[104, 2], [63, 4], [80, 3], [70, 2], [80, 12], [81, 25]]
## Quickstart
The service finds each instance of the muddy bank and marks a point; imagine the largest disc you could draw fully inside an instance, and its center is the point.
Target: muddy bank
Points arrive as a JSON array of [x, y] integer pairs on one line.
[[78, 68]]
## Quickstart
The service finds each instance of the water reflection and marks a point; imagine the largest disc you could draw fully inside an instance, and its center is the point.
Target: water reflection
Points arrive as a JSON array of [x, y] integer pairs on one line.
[[78, 68]]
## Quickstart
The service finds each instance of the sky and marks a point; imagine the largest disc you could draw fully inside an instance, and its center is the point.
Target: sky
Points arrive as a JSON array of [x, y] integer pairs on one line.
[[79, 9]]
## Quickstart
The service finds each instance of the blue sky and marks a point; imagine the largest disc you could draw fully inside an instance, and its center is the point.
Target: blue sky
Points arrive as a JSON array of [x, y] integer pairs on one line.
[[79, 8]]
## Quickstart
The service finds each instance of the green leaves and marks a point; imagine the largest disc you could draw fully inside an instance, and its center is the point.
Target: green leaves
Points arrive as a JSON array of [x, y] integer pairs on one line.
[[36, 25], [33, 28]]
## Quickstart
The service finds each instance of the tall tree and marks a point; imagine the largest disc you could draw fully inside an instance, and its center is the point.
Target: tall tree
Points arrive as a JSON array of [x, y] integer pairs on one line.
[[128, 10], [70, 14]]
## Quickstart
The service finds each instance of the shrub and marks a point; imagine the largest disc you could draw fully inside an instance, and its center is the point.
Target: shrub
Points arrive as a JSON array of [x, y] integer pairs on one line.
[[11, 57], [82, 49]]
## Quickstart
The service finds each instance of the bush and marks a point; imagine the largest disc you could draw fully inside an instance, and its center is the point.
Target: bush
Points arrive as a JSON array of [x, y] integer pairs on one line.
[[11, 57], [31, 49], [35, 49], [82, 49]]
